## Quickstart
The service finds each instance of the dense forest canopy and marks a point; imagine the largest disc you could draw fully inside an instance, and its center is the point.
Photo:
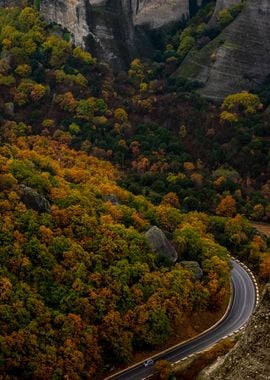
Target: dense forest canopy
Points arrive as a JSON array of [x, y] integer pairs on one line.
[[89, 161]]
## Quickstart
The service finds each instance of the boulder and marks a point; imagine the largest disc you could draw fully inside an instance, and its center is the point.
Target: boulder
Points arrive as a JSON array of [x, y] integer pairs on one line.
[[10, 3], [160, 244], [111, 198], [194, 268], [32, 199], [9, 109]]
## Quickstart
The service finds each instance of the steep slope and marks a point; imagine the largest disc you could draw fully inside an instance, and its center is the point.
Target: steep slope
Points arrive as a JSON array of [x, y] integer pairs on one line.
[[238, 59], [250, 357]]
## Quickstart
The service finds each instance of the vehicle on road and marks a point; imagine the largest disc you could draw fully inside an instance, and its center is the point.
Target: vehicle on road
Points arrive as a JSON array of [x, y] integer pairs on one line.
[[148, 362]]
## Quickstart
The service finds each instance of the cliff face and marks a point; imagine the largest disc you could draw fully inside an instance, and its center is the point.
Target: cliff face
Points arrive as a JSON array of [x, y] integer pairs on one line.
[[114, 29], [71, 14], [94, 24], [238, 59], [157, 13], [9, 3], [250, 358]]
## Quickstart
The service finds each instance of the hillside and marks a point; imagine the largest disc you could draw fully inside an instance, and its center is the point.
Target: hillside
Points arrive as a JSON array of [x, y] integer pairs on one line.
[[81, 288], [230, 54]]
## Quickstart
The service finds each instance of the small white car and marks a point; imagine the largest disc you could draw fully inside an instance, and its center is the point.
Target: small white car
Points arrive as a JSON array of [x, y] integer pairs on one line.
[[148, 362]]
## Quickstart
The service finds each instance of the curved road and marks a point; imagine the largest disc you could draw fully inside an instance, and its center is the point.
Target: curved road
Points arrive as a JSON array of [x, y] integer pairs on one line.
[[242, 306]]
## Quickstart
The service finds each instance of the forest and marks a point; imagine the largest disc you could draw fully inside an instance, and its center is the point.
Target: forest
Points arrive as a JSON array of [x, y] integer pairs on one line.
[[89, 161]]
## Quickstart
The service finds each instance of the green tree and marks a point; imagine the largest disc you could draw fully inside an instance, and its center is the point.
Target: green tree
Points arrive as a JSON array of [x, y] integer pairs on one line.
[[186, 45]]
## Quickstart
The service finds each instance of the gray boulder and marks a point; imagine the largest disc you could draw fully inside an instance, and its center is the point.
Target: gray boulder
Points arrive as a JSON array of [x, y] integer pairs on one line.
[[194, 268], [112, 198], [34, 200], [9, 108], [160, 244], [10, 3]]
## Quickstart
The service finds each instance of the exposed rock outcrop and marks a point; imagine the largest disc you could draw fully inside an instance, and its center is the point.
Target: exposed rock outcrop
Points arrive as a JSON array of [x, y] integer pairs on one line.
[[157, 13], [10, 3], [160, 244], [34, 200], [250, 358], [71, 14], [238, 59], [194, 268], [114, 29], [104, 28], [111, 198]]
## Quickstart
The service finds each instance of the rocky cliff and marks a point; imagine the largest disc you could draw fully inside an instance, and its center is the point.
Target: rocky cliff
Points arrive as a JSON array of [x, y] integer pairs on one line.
[[157, 13], [101, 26], [238, 59], [250, 358], [114, 30], [10, 3]]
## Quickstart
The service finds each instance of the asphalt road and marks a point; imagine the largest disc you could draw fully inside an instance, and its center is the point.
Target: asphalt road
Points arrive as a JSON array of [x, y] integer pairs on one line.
[[242, 306]]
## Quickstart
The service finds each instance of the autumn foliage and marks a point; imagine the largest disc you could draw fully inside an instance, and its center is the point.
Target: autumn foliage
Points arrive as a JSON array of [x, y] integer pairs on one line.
[[89, 162]]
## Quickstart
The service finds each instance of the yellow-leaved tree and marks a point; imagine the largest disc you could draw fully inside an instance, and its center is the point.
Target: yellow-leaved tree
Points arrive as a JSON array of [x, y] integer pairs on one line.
[[239, 104]]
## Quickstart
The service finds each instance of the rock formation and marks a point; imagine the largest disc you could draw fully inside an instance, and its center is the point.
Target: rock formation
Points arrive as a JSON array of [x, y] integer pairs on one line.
[[238, 59], [250, 358], [160, 244], [114, 30], [194, 268], [117, 31], [10, 3], [34, 200], [70, 14], [157, 13]]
